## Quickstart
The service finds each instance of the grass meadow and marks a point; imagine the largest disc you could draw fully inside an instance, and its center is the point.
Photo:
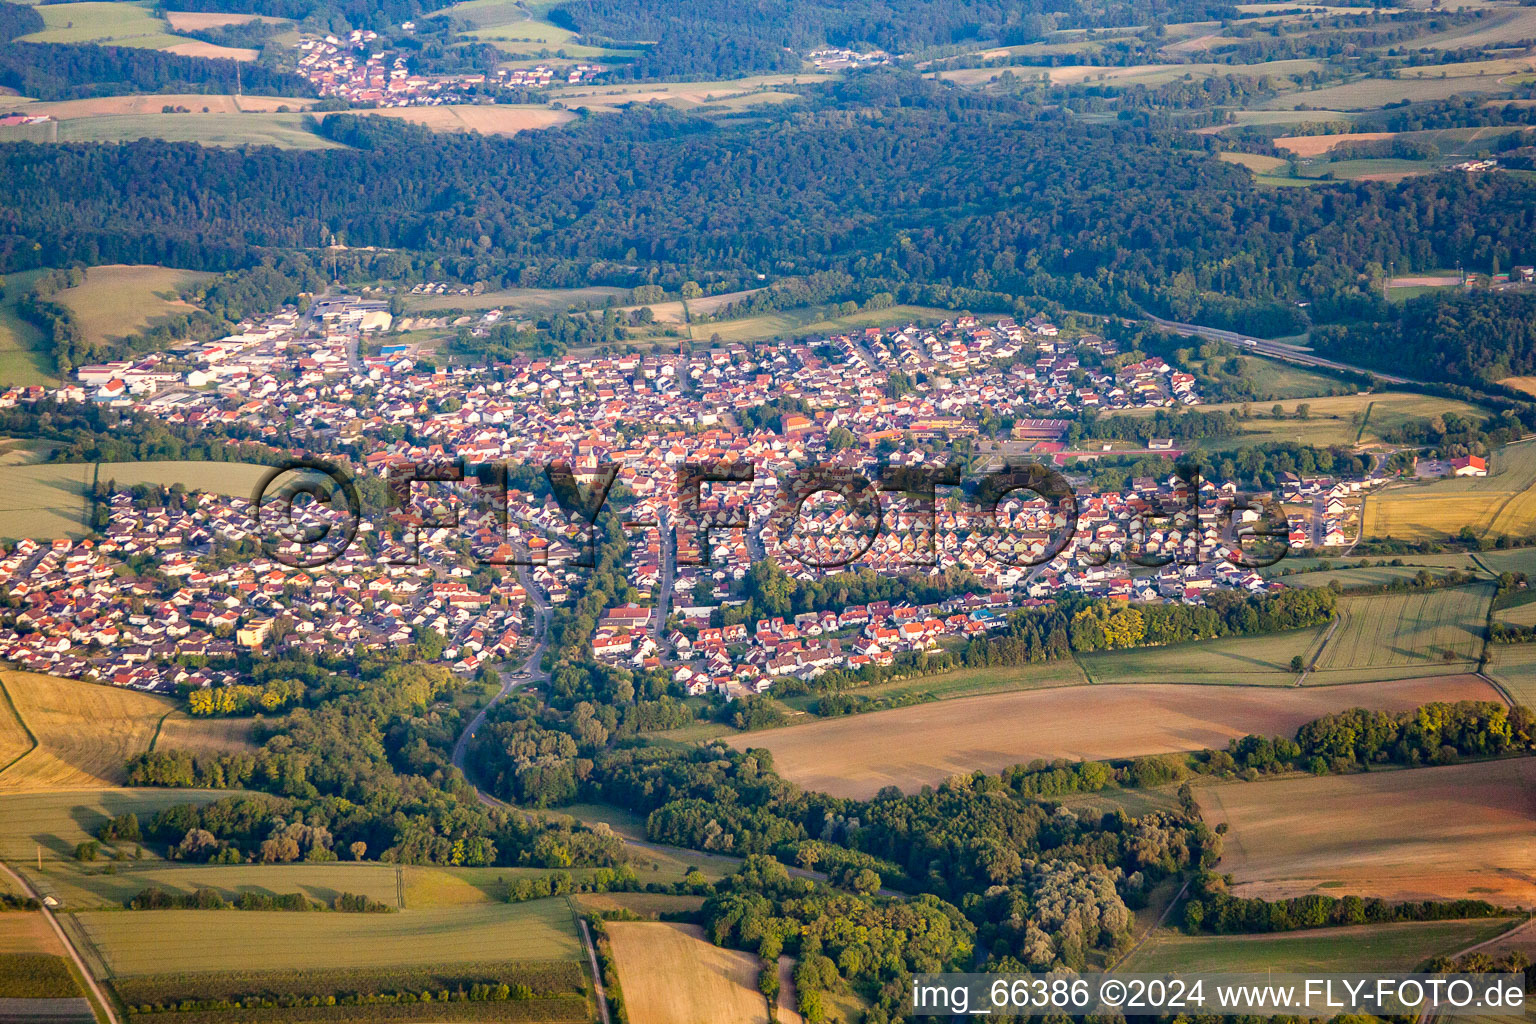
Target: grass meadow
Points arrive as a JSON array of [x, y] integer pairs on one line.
[[118, 299], [1382, 947], [199, 941], [1244, 660], [24, 356]]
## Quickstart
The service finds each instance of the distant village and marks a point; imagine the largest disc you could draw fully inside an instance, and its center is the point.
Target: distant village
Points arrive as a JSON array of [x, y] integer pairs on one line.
[[338, 67], [333, 377]]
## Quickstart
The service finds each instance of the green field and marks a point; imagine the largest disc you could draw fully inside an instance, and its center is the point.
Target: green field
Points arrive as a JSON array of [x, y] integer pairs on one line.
[[1382, 947], [202, 940], [285, 131], [1513, 666], [1426, 632], [121, 23], [1374, 93], [1368, 576], [532, 300], [966, 682], [118, 299], [55, 822], [47, 500], [24, 357], [1246, 660]]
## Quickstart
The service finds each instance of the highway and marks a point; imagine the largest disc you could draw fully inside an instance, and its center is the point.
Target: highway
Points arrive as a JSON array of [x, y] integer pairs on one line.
[[1274, 349]]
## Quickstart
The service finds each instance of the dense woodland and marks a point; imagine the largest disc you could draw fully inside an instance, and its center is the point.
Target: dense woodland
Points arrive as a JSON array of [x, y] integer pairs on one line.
[[1107, 219], [1468, 337], [57, 71]]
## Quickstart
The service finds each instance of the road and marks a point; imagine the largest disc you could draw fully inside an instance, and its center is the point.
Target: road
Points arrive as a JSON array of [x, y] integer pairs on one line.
[[668, 572], [597, 975], [69, 947], [531, 672], [1274, 349]]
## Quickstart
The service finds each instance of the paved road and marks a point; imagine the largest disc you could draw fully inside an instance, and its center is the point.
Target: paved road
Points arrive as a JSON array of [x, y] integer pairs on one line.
[[1274, 349], [668, 572], [69, 947], [531, 672]]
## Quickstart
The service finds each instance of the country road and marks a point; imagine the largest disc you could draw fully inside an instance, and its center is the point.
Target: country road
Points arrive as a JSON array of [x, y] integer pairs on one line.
[[1274, 349], [69, 947], [531, 672]]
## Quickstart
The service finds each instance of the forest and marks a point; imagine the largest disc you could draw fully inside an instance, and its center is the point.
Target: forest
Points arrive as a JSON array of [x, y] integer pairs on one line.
[[1470, 337], [1108, 219], [60, 71]]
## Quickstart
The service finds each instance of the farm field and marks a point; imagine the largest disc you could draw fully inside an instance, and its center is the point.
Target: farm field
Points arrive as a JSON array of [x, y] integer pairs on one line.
[[965, 682], [121, 23], [1374, 93], [533, 300], [195, 940], [192, 21], [1445, 832], [671, 974], [501, 119], [682, 94], [285, 131], [924, 745], [1422, 632], [85, 732], [180, 731], [1247, 660], [1255, 162], [1501, 503], [43, 501], [1400, 946], [1513, 666], [152, 103], [56, 821], [24, 356], [235, 479], [118, 299], [1331, 419]]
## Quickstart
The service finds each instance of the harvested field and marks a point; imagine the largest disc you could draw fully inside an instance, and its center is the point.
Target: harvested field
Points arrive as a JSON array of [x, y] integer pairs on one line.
[[1255, 162], [926, 744], [1513, 666], [28, 932], [1317, 145], [671, 974], [1422, 833], [85, 732], [1503, 502], [1526, 384], [501, 119], [199, 48], [192, 21]]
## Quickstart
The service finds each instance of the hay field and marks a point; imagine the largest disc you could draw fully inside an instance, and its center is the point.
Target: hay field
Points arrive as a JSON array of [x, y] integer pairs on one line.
[[1506, 26], [1255, 162], [670, 974], [1444, 832], [192, 21], [1526, 384], [926, 744], [86, 888], [99, 106], [501, 119], [534, 300], [85, 732], [116, 300], [1374, 93], [1317, 145], [1400, 946], [193, 940], [1251, 660], [1424, 632], [28, 932], [199, 48]]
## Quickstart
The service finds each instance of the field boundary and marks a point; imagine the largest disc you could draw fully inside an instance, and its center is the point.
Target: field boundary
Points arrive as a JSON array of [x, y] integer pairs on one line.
[[24, 728]]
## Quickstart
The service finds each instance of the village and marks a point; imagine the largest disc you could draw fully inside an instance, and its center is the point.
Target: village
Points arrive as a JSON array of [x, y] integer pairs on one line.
[[167, 596]]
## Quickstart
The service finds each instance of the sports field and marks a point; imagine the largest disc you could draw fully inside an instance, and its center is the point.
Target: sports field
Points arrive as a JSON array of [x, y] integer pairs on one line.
[[1422, 833], [85, 732], [671, 974], [926, 744], [1251, 660], [1377, 947], [1424, 632], [197, 940]]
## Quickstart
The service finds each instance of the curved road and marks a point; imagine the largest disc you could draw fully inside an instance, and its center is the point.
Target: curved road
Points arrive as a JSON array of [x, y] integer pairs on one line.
[[531, 672], [1274, 349]]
